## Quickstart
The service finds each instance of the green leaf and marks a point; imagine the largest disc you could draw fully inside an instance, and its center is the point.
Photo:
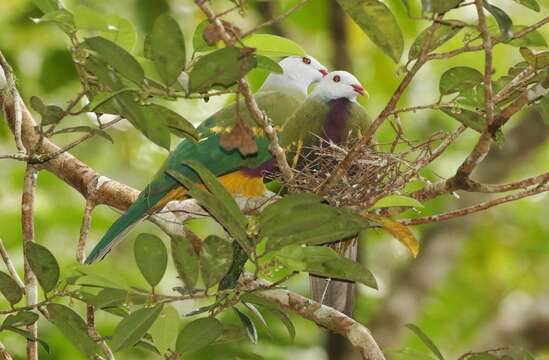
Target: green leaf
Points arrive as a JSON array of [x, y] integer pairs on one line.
[[216, 257], [110, 297], [121, 60], [37, 104], [29, 336], [439, 6], [442, 34], [73, 327], [396, 201], [504, 21], [469, 118], [222, 67], [281, 315], [174, 122], [62, 18], [248, 325], [165, 328], [532, 39], [86, 129], [426, 340], [218, 206], [531, 4], [186, 260], [43, 265], [268, 64], [538, 61], [325, 261], [273, 45], [167, 48], [10, 289], [22, 318], [151, 257], [377, 21], [47, 6], [459, 78], [199, 43], [198, 334], [258, 316], [133, 327]]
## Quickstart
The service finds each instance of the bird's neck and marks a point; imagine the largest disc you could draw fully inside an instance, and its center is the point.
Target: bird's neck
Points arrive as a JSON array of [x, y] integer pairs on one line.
[[286, 82]]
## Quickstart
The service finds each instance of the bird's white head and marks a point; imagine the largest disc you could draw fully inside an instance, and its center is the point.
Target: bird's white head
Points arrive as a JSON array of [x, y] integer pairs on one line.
[[337, 85], [299, 72]]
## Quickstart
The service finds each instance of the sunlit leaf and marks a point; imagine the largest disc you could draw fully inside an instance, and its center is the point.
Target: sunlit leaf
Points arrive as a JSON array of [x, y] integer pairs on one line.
[[186, 260], [268, 64], [442, 34], [248, 325], [222, 67], [10, 289], [165, 328], [459, 78], [397, 230], [396, 200], [122, 61], [47, 5], [378, 22], [216, 257], [426, 340], [198, 334], [273, 45], [151, 257], [132, 328], [167, 48], [43, 265], [439, 6], [62, 18], [73, 327]]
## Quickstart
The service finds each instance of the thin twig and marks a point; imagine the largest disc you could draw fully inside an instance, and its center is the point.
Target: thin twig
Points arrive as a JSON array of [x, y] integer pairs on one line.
[[92, 333], [27, 221], [10, 267], [277, 18]]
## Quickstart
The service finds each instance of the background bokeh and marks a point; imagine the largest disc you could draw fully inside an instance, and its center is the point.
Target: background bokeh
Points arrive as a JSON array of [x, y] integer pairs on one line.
[[478, 283]]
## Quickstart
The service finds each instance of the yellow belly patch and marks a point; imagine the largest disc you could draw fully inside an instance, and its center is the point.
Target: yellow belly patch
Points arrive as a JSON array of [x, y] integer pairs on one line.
[[237, 183]]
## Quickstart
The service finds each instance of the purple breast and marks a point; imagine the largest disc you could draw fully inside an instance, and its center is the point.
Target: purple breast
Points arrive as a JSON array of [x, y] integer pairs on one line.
[[335, 126]]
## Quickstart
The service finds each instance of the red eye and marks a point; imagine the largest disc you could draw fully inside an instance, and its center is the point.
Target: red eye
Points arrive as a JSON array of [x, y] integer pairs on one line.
[[337, 78], [306, 60]]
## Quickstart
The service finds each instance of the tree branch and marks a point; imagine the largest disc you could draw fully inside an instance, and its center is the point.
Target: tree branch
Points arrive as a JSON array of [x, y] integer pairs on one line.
[[10, 267]]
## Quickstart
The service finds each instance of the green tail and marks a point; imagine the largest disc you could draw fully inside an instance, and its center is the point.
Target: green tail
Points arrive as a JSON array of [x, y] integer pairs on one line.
[[135, 214]]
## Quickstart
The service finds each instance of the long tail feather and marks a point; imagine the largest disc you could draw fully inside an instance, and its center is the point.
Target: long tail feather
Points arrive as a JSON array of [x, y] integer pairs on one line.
[[116, 233], [336, 293]]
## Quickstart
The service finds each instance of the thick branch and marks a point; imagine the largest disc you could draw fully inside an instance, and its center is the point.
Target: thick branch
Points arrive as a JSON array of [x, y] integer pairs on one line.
[[357, 334]]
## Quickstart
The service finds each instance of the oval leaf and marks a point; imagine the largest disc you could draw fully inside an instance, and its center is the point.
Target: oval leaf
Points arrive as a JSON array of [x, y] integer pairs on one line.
[[22, 318], [459, 78], [165, 328], [396, 201], [273, 45], [133, 327], [268, 64], [73, 327], [167, 48], [185, 260], [216, 257], [43, 265], [151, 257], [198, 334], [442, 34], [121, 60], [10, 289], [379, 23]]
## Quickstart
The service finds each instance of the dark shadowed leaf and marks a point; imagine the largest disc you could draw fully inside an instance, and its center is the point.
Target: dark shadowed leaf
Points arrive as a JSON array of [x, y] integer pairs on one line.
[[22, 318], [377, 21], [324, 261], [221, 208], [222, 67], [469, 118], [73, 327], [151, 257], [37, 104], [532, 39], [504, 21], [43, 264], [198, 334], [186, 260], [231, 333], [167, 48], [268, 64], [531, 4], [216, 257], [459, 78], [258, 316], [165, 328], [273, 45], [132, 328], [426, 340], [51, 114], [248, 325], [86, 129], [174, 122], [121, 60], [442, 34], [199, 43], [10, 289]]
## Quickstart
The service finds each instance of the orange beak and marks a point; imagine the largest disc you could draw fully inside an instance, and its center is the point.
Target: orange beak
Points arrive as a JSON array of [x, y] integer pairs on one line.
[[324, 72], [360, 90]]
